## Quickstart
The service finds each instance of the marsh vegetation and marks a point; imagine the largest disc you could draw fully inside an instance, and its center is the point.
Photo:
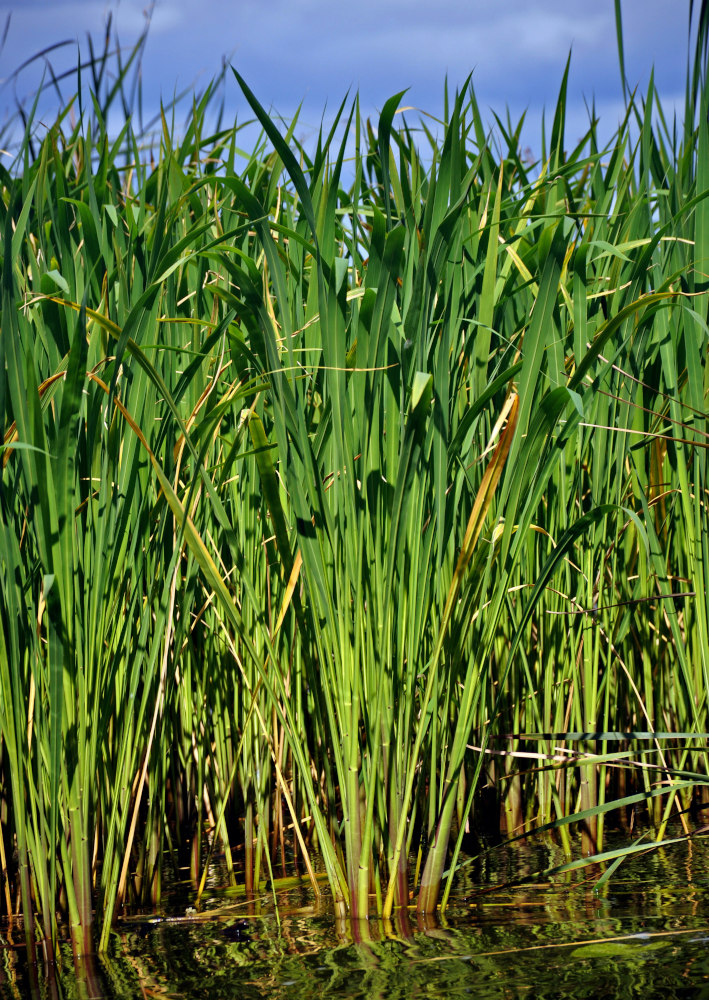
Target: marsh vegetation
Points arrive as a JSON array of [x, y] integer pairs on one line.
[[353, 500]]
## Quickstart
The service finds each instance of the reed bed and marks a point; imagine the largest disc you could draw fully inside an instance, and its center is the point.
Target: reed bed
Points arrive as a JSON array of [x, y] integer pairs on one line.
[[353, 501]]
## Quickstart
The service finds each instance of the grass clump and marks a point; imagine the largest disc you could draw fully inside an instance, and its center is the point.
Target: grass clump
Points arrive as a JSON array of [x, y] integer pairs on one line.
[[337, 486]]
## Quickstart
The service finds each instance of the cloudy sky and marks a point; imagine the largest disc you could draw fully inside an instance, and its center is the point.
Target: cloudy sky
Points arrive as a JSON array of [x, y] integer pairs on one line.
[[313, 51]]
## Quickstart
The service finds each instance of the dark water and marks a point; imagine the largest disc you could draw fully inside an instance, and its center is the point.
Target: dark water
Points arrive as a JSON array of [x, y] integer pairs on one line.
[[644, 935]]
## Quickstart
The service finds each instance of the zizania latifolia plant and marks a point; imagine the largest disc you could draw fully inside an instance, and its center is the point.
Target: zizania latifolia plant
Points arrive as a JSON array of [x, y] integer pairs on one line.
[[353, 499]]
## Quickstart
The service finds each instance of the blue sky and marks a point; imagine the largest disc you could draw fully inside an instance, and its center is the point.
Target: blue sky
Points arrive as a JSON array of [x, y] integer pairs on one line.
[[312, 51]]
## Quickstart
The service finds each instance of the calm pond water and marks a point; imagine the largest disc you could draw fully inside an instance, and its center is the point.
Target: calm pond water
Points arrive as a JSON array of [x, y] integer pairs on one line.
[[646, 934]]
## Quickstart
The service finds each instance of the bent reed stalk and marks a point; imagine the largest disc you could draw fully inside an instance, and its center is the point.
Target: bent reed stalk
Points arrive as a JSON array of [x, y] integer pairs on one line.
[[353, 499]]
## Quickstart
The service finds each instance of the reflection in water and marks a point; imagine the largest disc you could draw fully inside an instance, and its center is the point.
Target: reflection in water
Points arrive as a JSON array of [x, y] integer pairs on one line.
[[646, 934]]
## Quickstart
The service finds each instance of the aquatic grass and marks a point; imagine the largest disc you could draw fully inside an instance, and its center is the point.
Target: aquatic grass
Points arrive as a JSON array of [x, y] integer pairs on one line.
[[335, 492]]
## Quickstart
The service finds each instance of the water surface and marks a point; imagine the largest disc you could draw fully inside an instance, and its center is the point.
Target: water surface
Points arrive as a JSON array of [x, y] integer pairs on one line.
[[646, 934]]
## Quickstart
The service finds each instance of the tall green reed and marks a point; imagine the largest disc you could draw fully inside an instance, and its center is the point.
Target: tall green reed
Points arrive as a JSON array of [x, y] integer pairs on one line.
[[338, 482]]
